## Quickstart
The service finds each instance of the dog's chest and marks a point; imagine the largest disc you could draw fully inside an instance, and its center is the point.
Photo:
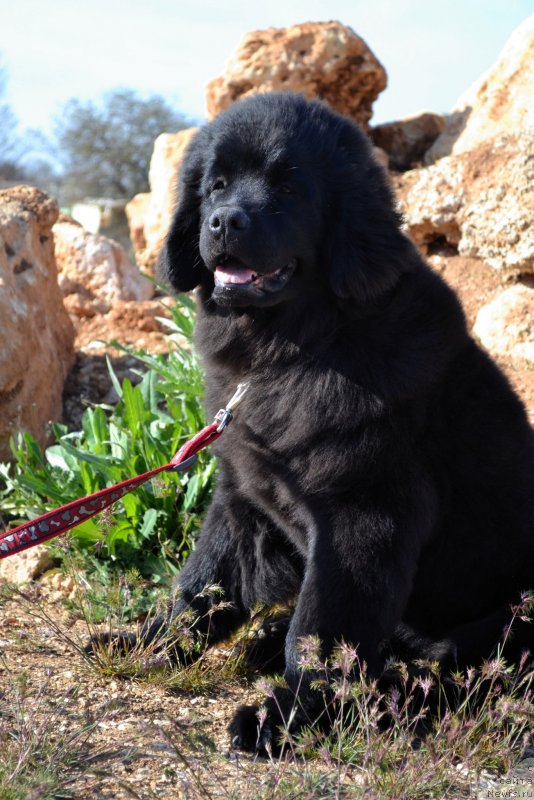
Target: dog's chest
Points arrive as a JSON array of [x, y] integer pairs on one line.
[[294, 441], [300, 434], [266, 470]]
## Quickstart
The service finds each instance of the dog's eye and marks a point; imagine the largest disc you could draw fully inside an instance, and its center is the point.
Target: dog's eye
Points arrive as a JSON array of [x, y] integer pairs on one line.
[[218, 185], [285, 188]]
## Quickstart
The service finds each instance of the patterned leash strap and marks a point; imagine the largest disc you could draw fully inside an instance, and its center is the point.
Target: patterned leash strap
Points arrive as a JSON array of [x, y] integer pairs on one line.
[[62, 519]]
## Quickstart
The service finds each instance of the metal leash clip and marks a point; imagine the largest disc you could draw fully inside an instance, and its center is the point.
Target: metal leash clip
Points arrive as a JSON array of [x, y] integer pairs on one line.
[[225, 415]]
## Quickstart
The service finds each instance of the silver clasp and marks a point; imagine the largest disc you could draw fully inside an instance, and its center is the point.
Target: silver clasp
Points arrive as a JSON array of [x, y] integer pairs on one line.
[[225, 415]]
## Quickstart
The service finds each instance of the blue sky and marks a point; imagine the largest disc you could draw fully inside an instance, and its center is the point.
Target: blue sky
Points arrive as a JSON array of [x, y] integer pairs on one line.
[[432, 49]]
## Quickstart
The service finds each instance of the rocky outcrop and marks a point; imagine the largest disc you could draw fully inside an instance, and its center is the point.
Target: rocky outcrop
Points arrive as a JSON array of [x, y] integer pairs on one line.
[[323, 60], [22, 568], [407, 140], [501, 101], [94, 271], [37, 334], [136, 211], [479, 203], [506, 325], [474, 205], [149, 214]]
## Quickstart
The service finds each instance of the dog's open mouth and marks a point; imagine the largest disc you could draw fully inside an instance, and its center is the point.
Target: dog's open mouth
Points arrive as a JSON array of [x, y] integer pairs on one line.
[[233, 276]]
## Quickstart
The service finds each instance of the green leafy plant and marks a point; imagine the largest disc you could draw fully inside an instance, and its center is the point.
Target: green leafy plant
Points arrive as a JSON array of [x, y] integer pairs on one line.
[[152, 527]]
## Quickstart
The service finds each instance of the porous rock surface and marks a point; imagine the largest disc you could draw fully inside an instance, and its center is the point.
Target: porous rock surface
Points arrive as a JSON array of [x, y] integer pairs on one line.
[[325, 60], [24, 567], [149, 214], [36, 332], [479, 202], [506, 325], [500, 101], [94, 271]]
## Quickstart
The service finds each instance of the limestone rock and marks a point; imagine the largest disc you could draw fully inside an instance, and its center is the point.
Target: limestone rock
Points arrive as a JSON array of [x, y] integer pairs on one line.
[[136, 210], [407, 140], [26, 566], [36, 332], [149, 214], [60, 587], [324, 60], [94, 272], [480, 203], [499, 102], [506, 325]]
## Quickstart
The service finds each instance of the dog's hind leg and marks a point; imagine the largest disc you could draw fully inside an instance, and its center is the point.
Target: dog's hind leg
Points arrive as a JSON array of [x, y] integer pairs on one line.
[[468, 644], [499, 632]]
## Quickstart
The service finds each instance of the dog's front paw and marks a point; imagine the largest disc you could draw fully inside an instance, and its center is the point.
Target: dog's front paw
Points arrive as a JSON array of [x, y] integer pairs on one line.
[[117, 643], [269, 729], [249, 732], [154, 640]]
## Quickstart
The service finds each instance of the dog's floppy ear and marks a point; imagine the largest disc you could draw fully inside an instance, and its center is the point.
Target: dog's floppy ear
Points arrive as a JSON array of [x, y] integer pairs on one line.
[[179, 260], [368, 251]]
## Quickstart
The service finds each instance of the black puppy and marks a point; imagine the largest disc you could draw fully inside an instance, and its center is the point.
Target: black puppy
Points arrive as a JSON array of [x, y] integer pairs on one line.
[[380, 471]]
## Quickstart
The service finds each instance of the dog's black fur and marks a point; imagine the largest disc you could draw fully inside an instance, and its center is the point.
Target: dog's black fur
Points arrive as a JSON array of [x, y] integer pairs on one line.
[[380, 470]]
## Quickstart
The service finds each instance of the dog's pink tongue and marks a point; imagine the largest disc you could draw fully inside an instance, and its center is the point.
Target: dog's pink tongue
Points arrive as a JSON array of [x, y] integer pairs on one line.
[[234, 275]]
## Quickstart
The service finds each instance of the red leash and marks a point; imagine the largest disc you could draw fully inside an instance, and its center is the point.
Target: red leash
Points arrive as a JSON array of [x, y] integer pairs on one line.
[[62, 519]]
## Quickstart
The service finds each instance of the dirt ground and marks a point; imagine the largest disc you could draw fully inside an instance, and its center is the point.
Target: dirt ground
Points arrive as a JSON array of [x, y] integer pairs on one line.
[[118, 739], [146, 742]]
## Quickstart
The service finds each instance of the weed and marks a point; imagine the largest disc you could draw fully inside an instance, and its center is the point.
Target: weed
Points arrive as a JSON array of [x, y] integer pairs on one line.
[[46, 747], [482, 728], [151, 528]]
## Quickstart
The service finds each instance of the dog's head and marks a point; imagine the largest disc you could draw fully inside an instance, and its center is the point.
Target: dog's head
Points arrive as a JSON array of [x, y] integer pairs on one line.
[[278, 194]]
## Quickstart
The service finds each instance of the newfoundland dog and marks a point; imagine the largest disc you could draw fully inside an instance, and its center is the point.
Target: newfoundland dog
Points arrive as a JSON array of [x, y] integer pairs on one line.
[[380, 471]]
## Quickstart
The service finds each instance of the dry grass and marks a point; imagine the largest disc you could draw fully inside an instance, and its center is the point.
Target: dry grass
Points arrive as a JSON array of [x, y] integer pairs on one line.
[[54, 746]]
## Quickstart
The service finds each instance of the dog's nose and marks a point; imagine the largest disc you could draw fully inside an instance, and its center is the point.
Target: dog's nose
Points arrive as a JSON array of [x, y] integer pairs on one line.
[[227, 219]]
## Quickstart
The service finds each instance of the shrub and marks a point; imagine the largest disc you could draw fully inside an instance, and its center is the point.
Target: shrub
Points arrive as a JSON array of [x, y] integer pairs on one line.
[[151, 528]]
